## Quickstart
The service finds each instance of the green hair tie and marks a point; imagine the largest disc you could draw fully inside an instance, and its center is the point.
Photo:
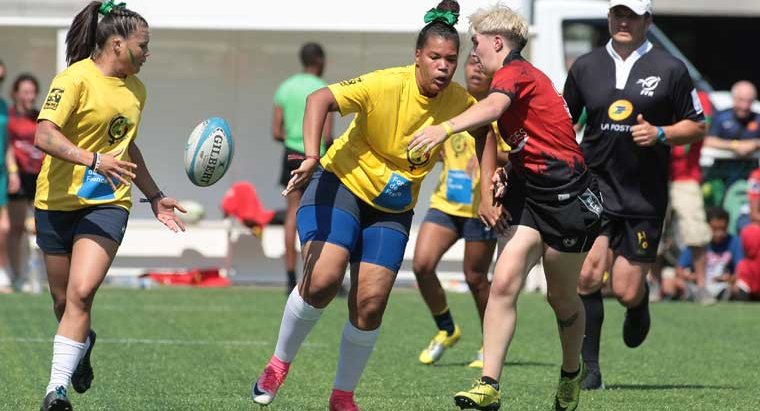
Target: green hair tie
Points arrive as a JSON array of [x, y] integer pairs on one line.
[[444, 16], [106, 7]]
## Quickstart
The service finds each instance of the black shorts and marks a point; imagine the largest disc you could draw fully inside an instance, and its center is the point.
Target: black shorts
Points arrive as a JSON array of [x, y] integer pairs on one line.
[[28, 187], [57, 230], [288, 166], [636, 239], [471, 229], [570, 225]]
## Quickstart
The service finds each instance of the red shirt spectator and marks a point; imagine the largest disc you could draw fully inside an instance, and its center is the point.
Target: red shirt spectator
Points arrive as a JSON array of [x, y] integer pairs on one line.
[[748, 270], [21, 130], [684, 160]]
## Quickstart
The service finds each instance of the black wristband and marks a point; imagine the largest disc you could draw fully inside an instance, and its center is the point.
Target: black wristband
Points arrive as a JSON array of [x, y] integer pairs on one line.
[[159, 195], [94, 161]]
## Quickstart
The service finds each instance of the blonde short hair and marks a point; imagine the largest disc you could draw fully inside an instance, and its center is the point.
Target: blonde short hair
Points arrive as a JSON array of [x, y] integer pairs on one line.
[[500, 19]]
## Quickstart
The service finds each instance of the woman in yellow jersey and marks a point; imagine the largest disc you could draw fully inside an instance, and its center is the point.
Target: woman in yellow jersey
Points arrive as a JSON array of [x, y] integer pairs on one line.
[[357, 206], [87, 128], [453, 214]]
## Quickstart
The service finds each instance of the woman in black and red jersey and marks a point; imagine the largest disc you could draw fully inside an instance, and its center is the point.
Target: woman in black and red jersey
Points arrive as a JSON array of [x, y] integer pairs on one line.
[[550, 209]]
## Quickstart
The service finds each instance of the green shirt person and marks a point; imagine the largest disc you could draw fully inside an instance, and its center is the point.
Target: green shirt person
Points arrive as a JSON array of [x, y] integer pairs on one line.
[[287, 125]]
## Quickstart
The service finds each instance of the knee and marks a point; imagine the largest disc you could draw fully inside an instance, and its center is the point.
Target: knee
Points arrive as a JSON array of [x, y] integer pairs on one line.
[[17, 228], [629, 297], [475, 279], [80, 298], [369, 312], [423, 270], [5, 229], [504, 289], [319, 292], [59, 302], [591, 276], [563, 305]]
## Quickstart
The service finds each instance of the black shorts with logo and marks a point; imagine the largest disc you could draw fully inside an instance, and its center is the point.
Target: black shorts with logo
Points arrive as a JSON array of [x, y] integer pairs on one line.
[[636, 239], [567, 223]]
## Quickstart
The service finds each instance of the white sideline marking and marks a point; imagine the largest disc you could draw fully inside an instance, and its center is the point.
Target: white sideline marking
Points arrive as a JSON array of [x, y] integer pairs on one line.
[[151, 341]]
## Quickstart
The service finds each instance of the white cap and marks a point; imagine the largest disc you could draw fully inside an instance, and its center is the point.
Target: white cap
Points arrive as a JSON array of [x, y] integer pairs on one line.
[[639, 7]]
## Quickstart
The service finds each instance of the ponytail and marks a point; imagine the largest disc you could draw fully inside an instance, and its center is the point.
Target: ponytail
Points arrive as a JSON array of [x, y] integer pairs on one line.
[[87, 36], [80, 40]]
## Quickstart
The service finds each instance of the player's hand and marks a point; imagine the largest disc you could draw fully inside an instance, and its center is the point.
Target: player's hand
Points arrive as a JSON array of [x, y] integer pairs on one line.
[[427, 139], [301, 175], [499, 184], [489, 214], [163, 209], [503, 222], [644, 134], [114, 170], [14, 183]]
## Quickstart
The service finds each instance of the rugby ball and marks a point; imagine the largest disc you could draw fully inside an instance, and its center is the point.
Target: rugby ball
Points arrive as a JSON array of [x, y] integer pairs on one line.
[[209, 151]]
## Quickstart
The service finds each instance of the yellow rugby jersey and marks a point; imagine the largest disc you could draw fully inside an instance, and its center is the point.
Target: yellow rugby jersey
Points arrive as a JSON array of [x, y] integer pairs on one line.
[[99, 114], [371, 157], [458, 190]]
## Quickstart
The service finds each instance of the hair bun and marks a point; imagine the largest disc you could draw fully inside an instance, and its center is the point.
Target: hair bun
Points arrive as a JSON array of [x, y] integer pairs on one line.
[[447, 12], [449, 5]]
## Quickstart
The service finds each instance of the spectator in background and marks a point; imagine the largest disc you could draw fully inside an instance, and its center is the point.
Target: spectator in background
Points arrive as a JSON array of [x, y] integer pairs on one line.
[[5, 184], [287, 125], [747, 285], [724, 252], [687, 204], [737, 129], [22, 124], [753, 194]]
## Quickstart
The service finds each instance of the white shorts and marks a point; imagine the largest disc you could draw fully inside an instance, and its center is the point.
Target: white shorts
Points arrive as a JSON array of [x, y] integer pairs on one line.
[[689, 217]]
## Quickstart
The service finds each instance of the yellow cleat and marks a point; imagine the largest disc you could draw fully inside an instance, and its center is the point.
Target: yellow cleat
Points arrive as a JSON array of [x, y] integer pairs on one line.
[[438, 345], [478, 361], [569, 391], [481, 396]]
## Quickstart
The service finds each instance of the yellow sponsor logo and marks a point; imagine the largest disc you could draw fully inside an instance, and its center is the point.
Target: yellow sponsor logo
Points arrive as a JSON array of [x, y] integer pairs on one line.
[[642, 237], [620, 110]]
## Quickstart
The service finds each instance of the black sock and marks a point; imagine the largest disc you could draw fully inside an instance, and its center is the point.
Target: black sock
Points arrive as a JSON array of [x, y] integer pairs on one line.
[[642, 305], [594, 307], [445, 321], [490, 381], [292, 279], [570, 375]]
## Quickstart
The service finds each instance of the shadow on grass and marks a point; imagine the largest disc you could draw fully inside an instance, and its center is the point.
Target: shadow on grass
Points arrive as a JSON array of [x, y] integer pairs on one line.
[[509, 363], [669, 387]]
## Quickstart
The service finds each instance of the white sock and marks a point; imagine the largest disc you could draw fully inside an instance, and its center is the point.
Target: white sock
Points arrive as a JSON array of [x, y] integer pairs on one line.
[[355, 348], [297, 321], [66, 356]]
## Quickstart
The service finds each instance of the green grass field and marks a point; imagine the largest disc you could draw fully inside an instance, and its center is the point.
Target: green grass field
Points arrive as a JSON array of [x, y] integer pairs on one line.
[[186, 349]]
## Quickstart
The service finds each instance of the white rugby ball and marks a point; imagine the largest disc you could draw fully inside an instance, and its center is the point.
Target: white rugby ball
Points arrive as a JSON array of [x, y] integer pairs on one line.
[[209, 151]]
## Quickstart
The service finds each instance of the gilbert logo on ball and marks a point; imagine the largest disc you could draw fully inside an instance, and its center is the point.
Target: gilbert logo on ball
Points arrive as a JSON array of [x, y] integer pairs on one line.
[[209, 152]]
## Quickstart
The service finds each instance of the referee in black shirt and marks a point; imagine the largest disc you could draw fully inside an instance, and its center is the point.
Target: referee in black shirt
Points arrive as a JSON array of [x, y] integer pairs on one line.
[[640, 101]]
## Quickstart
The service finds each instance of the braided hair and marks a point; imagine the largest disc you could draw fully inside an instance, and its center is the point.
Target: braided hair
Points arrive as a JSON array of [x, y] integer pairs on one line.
[[88, 33], [440, 27]]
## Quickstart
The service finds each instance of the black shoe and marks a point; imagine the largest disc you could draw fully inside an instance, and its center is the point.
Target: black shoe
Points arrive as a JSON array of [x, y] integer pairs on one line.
[[637, 322], [593, 380], [56, 401], [82, 378]]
